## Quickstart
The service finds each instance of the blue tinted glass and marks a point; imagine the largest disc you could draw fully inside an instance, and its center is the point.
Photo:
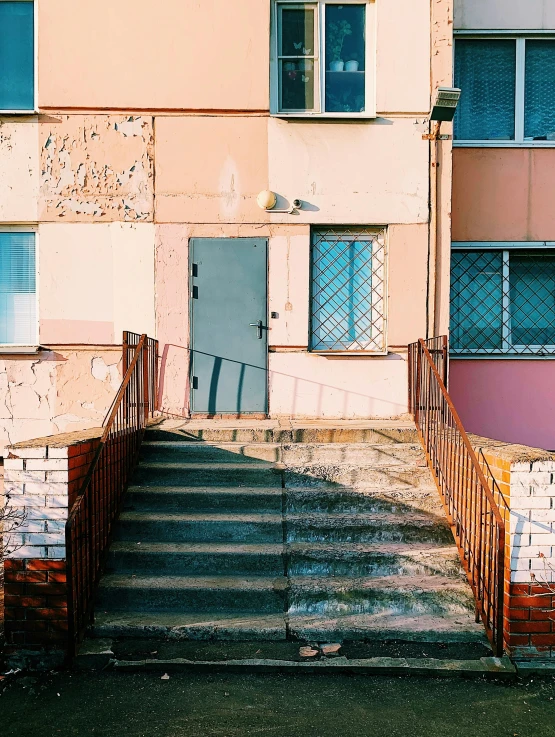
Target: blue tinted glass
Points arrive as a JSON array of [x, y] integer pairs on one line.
[[486, 73], [539, 106], [17, 288], [16, 56]]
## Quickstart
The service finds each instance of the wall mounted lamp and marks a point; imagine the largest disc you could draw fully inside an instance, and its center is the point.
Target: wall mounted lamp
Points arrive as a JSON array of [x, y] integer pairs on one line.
[[266, 200]]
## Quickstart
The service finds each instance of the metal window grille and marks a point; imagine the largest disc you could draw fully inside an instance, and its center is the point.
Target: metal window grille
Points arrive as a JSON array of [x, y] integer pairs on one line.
[[348, 290], [503, 302]]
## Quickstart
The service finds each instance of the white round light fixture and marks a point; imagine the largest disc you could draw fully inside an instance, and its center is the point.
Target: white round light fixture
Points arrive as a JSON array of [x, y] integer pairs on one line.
[[266, 199]]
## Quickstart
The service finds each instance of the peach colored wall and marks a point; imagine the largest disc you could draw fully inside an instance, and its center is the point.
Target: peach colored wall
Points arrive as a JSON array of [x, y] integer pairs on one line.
[[95, 281], [503, 194], [499, 14], [511, 401], [203, 54], [19, 170], [59, 390]]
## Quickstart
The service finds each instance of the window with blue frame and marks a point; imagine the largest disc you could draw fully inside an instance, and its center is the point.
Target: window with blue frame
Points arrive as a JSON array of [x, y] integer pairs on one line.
[[17, 56], [347, 290], [18, 309], [507, 89], [503, 301]]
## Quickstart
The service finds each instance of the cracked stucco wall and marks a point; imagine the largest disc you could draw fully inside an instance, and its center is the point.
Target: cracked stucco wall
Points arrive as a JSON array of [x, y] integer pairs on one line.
[[96, 167], [59, 390]]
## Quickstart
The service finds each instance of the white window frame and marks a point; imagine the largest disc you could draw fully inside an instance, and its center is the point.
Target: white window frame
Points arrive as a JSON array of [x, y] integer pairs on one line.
[[509, 350], [320, 72], [34, 109], [520, 37], [26, 347]]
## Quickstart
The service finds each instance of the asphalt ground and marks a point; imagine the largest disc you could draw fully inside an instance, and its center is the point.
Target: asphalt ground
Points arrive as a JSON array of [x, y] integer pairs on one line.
[[110, 704]]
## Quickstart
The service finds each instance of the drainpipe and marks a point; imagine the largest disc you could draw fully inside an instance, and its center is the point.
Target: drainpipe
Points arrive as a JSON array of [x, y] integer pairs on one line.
[[434, 138]]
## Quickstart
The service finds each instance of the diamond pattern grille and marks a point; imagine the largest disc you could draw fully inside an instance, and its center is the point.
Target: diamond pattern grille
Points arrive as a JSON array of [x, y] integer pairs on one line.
[[503, 302], [348, 290]]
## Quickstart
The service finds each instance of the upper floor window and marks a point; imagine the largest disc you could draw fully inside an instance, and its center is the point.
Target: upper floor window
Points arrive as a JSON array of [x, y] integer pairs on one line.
[[508, 90], [503, 300], [348, 290], [322, 58], [17, 56], [18, 303]]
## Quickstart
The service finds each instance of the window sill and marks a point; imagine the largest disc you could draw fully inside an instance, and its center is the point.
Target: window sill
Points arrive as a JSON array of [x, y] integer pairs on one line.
[[18, 112], [327, 116], [503, 144], [19, 350], [349, 354]]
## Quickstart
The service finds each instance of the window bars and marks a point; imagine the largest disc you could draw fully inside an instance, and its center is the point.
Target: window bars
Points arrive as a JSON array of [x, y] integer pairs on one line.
[[348, 290], [503, 302]]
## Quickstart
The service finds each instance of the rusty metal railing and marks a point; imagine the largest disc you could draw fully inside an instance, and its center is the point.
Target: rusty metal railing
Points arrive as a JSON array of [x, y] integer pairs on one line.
[[98, 503], [474, 514]]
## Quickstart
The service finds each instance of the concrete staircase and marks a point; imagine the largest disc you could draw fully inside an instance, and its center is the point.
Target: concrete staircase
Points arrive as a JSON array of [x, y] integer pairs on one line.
[[308, 533]]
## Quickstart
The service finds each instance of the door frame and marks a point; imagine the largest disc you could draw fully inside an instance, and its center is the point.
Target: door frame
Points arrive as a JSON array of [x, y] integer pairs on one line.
[[255, 415]]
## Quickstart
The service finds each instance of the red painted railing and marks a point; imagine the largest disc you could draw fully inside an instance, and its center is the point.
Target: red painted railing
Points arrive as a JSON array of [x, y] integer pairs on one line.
[[91, 518], [470, 502]]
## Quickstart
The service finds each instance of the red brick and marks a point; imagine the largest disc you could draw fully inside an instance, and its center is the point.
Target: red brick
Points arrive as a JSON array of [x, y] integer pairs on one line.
[[520, 588], [26, 601], [518, 639], [542, 615], [543, 639], [14, 565], [38, 564], [518, 614], [46, 589], [57, 576], [536, 602], [14, 614], [530, 627], [46, 613], [29, 577], [56, 602]]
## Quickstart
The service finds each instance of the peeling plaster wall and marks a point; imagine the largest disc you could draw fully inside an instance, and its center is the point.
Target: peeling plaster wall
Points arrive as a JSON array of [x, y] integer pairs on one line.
[[95, 280], [19, 170], [60, 390], [96, 167]]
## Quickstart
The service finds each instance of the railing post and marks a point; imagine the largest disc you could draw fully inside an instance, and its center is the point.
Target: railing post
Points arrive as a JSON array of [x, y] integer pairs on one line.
[[417, 387], [145, 379], [445, 360]]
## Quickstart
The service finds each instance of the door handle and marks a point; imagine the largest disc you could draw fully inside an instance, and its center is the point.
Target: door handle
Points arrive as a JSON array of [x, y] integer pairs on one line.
[[258, 325]]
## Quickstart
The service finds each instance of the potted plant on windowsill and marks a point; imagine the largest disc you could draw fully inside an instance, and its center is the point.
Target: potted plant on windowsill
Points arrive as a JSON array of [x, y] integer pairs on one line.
[[337, 32]]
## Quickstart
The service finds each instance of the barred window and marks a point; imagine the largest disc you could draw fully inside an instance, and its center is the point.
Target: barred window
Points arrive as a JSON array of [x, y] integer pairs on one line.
[[348, 290], [503, 302]]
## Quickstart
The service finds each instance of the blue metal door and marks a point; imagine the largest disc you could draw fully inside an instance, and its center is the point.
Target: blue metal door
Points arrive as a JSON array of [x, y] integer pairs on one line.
[[228, 325]]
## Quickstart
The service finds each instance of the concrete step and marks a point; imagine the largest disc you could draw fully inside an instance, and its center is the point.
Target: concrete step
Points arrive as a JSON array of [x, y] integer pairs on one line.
[[312, 559], [291, 454], [196, 559], [156, 527], [410, 595], [253, 473], [203, 499], [351, 476], [234, 626], [367, 528], [191, 593], [372, 432], [339, 500], [190, 452], [372, 560]]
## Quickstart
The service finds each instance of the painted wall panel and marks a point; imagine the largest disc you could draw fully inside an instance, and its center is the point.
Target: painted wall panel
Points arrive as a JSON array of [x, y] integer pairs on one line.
[[86, 293], [289, 280], [348, 173], [309, 385], [19, 170], [96, 167], [210, 169], [407, 269], [498, 14], [511, 401], [503, 194], [403, 56], [200, 54]]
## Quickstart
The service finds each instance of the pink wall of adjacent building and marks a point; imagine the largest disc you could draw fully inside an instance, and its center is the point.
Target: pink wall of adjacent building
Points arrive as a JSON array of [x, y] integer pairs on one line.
[[513, 401]]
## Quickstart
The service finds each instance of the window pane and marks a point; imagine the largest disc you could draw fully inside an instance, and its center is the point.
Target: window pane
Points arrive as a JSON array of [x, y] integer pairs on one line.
[[16, 56], [297, 32], [532, 289], [476, 300], [486, 73], [296, 71], [539, 105], [17, 288], [347, 291], [345, 58]]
